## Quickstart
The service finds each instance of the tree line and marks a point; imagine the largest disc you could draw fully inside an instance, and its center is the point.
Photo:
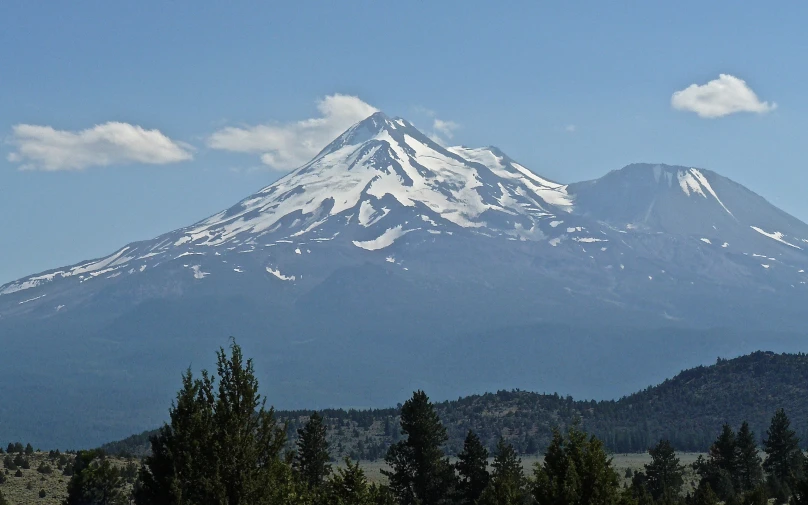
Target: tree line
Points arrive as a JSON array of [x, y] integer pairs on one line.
[[222, 445]]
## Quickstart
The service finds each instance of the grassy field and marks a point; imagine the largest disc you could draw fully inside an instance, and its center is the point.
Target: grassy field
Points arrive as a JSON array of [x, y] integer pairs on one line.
[[25, 490]]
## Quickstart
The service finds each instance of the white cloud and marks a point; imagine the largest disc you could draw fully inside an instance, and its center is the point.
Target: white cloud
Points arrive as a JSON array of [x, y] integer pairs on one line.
[[288, 146], [720, 97], [445, 128], [48, 149], [570, 128]]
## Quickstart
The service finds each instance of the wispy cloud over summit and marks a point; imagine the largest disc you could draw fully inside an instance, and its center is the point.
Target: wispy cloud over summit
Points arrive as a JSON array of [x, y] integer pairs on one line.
[[287, 146]]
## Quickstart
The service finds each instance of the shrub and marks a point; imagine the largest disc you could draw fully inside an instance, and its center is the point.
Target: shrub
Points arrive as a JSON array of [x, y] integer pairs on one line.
[[42, 493]]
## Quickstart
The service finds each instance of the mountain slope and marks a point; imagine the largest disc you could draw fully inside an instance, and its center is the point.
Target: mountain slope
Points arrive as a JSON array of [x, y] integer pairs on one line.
[[362, 274]]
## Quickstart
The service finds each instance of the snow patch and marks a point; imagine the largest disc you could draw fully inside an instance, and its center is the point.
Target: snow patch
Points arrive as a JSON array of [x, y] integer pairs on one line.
[[775, 236], [279, 275], [198, 273], [386, 239]]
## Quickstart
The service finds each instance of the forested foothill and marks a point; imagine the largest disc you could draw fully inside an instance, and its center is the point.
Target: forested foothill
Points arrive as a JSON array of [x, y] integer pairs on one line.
[[223, 444]]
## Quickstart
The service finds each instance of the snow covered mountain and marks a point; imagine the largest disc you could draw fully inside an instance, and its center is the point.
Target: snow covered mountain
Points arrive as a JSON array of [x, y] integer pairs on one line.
[[387, 252]]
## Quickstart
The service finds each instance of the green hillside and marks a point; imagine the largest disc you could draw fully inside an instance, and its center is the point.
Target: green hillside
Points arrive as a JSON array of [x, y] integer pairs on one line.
[[688, 409]]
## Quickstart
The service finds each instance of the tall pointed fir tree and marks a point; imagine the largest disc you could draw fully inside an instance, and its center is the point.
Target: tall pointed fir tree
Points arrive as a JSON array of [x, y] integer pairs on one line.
[[664, 474], [749, 470], [311, 459], [784, 460], [723, 451], [472, 469], [181, 467], [507, 485], [222, 445], [419, 472]]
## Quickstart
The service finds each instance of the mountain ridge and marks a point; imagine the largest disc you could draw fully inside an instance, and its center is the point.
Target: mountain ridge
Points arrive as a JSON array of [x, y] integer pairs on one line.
[[688, 409]]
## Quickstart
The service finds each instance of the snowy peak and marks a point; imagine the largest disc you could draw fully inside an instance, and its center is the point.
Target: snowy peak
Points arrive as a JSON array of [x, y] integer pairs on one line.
[[654, 196], [692, 202], [384, 163]]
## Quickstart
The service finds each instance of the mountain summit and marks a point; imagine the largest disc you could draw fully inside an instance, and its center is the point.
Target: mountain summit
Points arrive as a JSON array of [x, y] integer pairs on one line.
[[388, 245]]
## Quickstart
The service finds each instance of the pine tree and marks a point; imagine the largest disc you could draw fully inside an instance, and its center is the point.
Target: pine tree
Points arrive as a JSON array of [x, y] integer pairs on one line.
[[29, 449], [348, 486], [576, 471], [749, 471], [248, 439], [723, 452], [721, 469], [784, 461], [181, 468], [704, 495], [664, 474], [311, 459], [420, 472], [95, 481], [507, 485], [472, 467], [222, 446]]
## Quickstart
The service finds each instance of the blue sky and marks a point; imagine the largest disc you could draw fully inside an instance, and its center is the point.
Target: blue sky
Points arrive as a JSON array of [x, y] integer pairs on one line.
[[121, 121]]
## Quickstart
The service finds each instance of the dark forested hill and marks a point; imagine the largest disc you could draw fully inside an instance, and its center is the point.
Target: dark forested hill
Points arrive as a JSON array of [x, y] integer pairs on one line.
[[688, 409]]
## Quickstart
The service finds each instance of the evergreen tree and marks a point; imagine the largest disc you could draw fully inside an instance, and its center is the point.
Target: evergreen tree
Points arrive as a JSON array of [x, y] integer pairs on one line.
[[722, 469], [29, 449], [664, 474], [181, 467], [507, 485], [784, 461], [723, 452], [222, 445], [576, 471], [472, 468], [3, 499], [420, 472], [95, 481], [311, 459], [348, 486], [756, 496], [749, 471], [704, 495]]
